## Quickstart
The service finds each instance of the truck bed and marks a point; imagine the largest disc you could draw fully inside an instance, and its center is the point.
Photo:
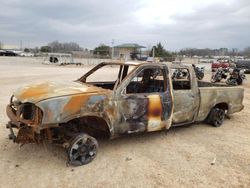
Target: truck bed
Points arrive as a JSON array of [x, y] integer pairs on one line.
[[212, 94]]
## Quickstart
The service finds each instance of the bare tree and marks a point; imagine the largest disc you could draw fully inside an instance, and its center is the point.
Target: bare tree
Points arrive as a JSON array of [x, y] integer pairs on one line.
[[246, 51], [64, 47]]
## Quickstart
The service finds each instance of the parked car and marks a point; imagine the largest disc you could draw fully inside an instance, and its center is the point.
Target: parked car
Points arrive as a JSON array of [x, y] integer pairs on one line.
[[224, 64], [27, 54], [7, 53], [2, 52], [141, 97]]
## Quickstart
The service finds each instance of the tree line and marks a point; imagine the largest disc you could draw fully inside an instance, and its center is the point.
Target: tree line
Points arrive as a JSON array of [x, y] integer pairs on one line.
[[215, 52], [158, 50], [59, 47]]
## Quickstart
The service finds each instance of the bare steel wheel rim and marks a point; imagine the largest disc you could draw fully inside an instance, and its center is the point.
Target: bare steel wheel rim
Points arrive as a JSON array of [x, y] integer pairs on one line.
[[83, 150]]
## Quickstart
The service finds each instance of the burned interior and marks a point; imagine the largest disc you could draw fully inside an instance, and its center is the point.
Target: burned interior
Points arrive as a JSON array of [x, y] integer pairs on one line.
[[148, 80], [181, 79]]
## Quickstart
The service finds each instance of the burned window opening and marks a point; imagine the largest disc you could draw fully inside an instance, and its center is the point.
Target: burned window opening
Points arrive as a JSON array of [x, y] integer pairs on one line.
[[115, 74], [147, 81], [181, 79]]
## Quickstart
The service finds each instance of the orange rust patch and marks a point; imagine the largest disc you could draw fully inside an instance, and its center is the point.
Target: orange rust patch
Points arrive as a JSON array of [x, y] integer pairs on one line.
[[35, 91], [110, 112], [75, 103], [154, 107], [154, 113]]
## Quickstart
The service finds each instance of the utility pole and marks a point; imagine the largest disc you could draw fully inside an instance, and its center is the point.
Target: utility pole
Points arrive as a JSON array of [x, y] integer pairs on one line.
[[21, 44], [153, 52], [112, 50]]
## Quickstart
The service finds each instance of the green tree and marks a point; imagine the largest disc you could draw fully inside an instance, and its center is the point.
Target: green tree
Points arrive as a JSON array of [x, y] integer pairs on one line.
[[45, 49], [102, 49], [160, 51], [26, 50]]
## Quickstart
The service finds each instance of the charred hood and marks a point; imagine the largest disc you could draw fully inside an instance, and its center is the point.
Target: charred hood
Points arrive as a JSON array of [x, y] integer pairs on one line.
[[36, 92]]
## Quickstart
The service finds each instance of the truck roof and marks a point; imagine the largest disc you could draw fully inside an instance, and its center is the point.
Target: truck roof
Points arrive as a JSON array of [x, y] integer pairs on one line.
[[135, 63], [138, 63]]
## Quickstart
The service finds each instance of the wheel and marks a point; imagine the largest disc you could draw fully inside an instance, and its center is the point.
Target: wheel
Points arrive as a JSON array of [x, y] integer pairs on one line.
[[239, 81], [200, 76], [231, 82], [216, 117], [82, 150]]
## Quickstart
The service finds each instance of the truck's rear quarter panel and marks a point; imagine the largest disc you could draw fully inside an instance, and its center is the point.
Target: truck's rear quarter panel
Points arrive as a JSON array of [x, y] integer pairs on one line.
[[211, 96]]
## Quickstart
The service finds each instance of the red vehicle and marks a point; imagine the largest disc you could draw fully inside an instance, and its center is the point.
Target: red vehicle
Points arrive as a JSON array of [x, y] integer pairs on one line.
[[224, 64]]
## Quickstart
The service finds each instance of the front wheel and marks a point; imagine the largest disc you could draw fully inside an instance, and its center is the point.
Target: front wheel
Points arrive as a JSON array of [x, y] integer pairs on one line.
[[216, 117], [82, 150]]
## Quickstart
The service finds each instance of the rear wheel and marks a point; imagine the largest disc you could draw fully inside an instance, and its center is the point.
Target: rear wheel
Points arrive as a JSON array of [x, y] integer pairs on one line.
[[216, 117], [82, 150]]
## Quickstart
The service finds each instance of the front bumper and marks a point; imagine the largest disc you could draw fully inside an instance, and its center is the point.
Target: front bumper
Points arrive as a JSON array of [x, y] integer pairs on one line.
[[13, 123], [13, 117], [25, 132], [12, 135]]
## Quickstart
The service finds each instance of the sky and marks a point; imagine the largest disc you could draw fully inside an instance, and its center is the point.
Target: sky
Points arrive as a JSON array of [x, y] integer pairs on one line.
[[176, 24]]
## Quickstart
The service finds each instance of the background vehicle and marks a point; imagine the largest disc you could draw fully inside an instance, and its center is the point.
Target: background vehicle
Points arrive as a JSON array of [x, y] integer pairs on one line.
[[220, 63], [199, 71], [60, 59], [140, 97], [236, 76], [179, 74], [7, 53], [219, 74], [243, 64]]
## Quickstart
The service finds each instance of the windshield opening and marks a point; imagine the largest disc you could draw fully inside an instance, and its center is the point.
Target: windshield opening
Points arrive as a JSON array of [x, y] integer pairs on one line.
[[107, 75]]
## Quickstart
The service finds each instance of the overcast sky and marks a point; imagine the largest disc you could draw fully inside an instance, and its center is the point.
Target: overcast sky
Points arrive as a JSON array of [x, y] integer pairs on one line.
[[176, 23]]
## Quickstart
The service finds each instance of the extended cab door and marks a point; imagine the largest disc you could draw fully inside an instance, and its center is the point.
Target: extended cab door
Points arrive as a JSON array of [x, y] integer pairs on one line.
[[186, 95], [145, 100]]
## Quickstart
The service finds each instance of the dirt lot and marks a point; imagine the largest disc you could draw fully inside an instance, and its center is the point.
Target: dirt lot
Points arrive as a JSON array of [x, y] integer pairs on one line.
[[180, 157]]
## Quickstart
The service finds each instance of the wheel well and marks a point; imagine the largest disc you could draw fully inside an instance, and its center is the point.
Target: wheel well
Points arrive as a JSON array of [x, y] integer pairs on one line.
[[95, 126], [223, 106], [92, 125]]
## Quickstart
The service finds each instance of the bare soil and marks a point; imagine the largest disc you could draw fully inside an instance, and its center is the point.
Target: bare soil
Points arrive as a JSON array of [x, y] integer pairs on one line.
[[195, 156]]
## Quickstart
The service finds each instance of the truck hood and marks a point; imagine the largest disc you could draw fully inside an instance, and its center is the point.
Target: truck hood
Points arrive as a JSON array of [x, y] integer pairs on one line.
[[36, 92]]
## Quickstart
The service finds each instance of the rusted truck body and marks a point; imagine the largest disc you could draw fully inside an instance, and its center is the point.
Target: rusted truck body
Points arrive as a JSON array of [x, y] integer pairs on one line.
[[138, 97]]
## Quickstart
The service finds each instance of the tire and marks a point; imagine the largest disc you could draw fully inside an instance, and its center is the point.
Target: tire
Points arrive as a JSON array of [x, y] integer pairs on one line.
[[200, 76], [216, 117], [82, 150], [231, 82], [239, 81]]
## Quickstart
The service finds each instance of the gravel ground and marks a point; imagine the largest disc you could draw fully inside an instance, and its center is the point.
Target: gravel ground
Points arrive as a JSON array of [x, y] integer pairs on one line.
[[180, 157]]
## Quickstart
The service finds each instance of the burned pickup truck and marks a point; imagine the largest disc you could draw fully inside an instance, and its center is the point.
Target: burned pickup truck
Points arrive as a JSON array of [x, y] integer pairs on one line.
[[133, 98]]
